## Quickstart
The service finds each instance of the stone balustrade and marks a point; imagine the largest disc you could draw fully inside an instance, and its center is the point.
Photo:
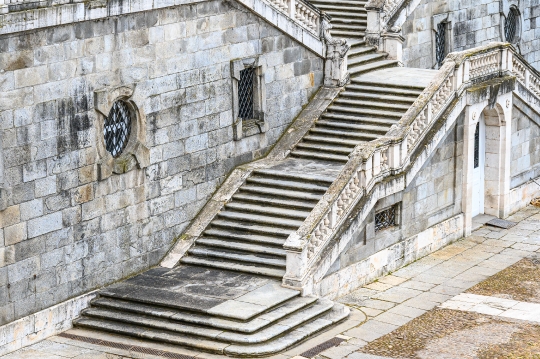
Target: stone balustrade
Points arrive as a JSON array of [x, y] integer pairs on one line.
[[372, 162]]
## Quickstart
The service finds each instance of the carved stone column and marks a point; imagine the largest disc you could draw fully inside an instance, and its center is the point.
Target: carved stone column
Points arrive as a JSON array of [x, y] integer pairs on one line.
[[374, 22], [335, 68], [392, 42]]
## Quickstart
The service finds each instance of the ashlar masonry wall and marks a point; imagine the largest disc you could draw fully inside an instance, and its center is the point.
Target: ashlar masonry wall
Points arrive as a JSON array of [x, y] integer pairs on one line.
[[472, 24], [65, 231]]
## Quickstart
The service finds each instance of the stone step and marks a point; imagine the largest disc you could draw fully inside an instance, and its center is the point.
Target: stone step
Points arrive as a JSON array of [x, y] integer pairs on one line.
[[359, 5], [248, 268], [384, 86], [287, 183], [307, 177], [331, 140], [375, 90], [358, 119], [279, 192], [244, 237], [339, 150], [236, 256], [352, 126], [340, 13], [228, 224], [356, 44], [365, 59], [372, 105], [352, 33], [251, 326], [361, 111], [273, 211], [248, 345], [360, 51], [263, 335], [319, 156], [358, 70], [344, 134], [262, 219], [241, 246], [406, 100], [278, 202]]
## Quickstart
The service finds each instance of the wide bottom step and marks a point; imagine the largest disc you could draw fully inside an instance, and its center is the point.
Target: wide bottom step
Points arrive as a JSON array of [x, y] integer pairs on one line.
[[281, 342]]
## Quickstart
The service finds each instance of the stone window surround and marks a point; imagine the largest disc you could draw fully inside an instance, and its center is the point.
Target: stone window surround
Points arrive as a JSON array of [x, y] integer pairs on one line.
[[449, 44], [3, 192], [135, 154], [257, 125], [506, 7]]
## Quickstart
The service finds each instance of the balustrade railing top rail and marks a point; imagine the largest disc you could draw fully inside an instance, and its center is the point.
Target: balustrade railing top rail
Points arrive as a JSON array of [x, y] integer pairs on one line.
[[369, 163]]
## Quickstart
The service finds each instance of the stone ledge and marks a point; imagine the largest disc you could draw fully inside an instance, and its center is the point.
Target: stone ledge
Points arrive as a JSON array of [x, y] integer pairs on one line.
[[38, 326], [33, 19]]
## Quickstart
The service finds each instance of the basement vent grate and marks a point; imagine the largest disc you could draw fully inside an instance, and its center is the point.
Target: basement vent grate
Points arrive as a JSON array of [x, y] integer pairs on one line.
[[132, 348], [334, 342], [501, 223]]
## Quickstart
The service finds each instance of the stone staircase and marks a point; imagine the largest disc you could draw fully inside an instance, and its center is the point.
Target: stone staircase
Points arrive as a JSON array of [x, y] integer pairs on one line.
[[226, 295]]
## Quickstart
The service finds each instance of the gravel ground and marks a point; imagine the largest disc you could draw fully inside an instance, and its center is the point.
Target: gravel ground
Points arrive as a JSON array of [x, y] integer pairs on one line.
[[520, 281], [450, 334]]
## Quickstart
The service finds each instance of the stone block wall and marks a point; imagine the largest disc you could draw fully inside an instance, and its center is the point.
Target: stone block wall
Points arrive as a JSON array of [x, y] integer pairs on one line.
[[64, 231], [474, 23], [525, 155], [529, 44], [431, 198]]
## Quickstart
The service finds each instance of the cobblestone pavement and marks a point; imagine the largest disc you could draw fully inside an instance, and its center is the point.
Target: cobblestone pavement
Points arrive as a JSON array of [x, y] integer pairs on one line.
[[429, 293]]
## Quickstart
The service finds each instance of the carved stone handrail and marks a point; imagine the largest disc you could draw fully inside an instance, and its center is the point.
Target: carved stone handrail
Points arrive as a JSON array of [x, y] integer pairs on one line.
[[372, 162]]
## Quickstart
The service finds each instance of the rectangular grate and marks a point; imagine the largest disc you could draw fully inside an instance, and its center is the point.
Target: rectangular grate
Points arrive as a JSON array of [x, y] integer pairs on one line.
[[501, 223], [334, 342], [245, 93], [127, 347], [385, 219]]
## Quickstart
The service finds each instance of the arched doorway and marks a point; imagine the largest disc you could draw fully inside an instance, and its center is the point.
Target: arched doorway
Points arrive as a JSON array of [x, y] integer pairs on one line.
[[479, 160]]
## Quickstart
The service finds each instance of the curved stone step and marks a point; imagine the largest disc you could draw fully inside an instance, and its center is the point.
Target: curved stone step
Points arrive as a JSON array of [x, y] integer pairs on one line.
[[255, 324], [362, 87], [236, 256], [270, 272], [344, 134], [290, 203], [388, 86], [373, 105], [362, 111], [365, 59], [337, 314], [244, 237], [378, 97], [331, 140], [289, 336], [263, 219]]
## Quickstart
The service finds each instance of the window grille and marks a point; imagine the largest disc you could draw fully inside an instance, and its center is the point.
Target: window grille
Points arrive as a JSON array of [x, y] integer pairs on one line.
[[440, 43], [117, 128], [245, 93], [386, 218], [477, 146], [510, 25]]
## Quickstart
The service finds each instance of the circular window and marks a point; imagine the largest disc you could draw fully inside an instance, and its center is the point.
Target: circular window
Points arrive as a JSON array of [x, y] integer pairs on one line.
[[117, 128], [511, 25]]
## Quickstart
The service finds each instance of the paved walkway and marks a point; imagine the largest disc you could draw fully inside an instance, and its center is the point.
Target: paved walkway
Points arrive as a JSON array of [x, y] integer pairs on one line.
[[438, 280]]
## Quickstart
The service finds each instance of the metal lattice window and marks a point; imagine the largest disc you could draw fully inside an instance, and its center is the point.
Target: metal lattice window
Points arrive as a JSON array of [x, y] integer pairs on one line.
[[510, 25], [117, 128], [477, 146], [440, 43], [386, 218], [245, 93]]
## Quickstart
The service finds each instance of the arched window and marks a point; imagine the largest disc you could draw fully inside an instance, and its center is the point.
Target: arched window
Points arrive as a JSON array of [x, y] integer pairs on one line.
[[511, 25], [117, 127]]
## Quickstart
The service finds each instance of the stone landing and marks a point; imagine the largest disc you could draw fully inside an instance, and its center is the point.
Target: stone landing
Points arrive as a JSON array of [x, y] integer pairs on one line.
[[218, 311]]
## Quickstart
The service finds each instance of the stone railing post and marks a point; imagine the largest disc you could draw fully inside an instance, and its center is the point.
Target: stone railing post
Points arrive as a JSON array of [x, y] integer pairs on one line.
[[392, 43], [292, 8], [374, 26], [335, 68]]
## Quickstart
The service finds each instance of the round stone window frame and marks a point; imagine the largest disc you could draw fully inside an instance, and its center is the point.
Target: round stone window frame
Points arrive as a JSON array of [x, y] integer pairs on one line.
[[135, 154], [517, 18]]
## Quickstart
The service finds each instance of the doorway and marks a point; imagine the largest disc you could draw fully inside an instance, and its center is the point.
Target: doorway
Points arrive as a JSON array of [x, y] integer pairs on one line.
[[479, 158]]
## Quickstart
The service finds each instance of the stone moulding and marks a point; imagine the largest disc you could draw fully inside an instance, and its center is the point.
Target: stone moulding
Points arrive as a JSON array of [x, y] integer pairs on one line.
[[402, 148], [136, 154]]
